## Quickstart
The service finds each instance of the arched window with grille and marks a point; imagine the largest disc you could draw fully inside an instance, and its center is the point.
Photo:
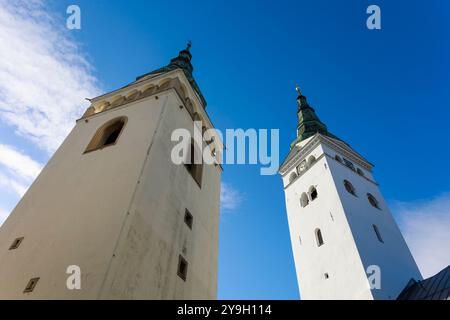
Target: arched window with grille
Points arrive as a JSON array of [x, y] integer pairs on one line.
[[107, 135], [349, 187], [373, 201], [304, 201], [311, 161], [292, 177]]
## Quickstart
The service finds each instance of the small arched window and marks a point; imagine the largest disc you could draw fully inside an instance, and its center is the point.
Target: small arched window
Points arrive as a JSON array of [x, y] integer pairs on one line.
[[360, 172], [349, 164], [304, 200], [377, 233], [337, 158], [349, 187], [319, 237], [373, 201], [107, 135], [311, 161], [313, 193], [292, 177]]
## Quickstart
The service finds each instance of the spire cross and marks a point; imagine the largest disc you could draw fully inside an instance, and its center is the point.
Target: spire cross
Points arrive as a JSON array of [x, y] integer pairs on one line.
[[297, 88], [189, 45]]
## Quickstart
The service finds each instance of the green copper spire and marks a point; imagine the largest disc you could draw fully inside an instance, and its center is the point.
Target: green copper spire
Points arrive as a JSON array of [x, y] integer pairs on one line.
[[183, 62], [308, 122]]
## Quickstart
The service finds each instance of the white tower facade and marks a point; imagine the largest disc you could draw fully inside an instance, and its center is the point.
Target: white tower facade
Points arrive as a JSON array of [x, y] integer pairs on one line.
[[112, 203], [345, 242]]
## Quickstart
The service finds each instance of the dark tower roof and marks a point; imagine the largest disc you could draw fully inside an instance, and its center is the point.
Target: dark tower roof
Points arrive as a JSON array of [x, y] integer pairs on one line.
[[436, 287], [308, 122], [183, 62]]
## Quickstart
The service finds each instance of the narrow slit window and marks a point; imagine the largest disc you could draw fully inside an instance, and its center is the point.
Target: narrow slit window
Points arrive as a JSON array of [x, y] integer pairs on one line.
[[31, 285], [16, 243], [313, 193], [188, 219], [319, 238], [182, 268], [195, 169], [378, 234]]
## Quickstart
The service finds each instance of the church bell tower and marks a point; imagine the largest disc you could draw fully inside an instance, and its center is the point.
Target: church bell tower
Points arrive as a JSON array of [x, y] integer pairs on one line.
[[346, 243], [113, 208]]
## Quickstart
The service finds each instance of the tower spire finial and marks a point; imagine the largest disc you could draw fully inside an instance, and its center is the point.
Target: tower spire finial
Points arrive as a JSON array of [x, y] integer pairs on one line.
[[189, 45], [297, 88]]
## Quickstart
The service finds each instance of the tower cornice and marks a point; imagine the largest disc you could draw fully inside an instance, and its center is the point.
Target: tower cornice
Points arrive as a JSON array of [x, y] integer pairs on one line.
[[301, 153], [146, 87]]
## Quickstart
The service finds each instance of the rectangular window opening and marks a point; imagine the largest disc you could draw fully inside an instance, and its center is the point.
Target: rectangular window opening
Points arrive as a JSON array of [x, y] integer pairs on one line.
[[188, 219], [195, 169], [182, 268], [31, 285], [16, 243]]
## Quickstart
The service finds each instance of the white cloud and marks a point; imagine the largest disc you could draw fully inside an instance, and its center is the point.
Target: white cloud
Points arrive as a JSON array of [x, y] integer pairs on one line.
[[425, 225], [3, 215], [44, 78], [10, 184], [17, 170], [230, 198], [19, 163]]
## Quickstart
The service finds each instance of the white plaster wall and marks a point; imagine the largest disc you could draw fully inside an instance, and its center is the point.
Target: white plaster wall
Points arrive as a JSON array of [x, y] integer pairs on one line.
[[350, 242], [331, 152], [338, 256], [155, 232], [393, 256], [76, 213]]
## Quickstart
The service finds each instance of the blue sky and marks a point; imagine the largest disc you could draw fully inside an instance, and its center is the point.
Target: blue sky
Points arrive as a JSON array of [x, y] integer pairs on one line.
[[385, 92]]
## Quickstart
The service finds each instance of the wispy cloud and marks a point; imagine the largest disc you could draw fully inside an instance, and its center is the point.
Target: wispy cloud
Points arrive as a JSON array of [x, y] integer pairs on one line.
[[17, 170], [3, 215], [44, 77], [18, 162], [230, 198], [425, 225], [9, 184]]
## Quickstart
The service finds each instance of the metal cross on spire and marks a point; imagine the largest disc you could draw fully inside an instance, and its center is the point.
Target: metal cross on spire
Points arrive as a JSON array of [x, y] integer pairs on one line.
[[297, 88]]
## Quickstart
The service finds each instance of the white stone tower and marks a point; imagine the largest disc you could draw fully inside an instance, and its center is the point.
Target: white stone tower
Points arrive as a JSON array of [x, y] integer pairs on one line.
[[112, 202], [341, 227]]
